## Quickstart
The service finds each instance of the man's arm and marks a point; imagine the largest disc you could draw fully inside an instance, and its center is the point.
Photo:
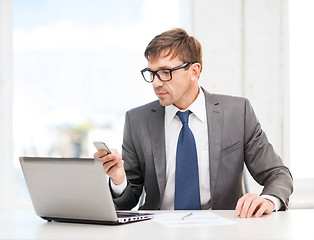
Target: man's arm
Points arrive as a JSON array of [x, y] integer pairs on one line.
[[121, 190], [267, 169], [131, 194]]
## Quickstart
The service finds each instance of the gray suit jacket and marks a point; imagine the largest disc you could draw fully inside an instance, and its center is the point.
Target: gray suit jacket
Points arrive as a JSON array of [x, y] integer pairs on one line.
[[235, 138]]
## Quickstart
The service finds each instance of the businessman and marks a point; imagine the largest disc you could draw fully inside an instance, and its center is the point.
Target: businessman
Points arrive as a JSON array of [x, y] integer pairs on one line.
[[187, 149]]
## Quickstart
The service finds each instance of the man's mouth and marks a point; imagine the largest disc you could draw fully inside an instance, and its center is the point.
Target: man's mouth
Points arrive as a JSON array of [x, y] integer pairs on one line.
[[161, 94]]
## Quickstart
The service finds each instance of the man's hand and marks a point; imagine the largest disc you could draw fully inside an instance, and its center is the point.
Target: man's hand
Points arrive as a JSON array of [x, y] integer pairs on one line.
[[252, 204], [113, 165]]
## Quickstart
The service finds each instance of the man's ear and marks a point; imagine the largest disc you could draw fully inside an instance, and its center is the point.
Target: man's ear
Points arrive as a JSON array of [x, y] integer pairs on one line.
[[196, 71]]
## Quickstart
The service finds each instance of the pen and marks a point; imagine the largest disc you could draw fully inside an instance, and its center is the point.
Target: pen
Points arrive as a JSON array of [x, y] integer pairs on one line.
[[190, 214]]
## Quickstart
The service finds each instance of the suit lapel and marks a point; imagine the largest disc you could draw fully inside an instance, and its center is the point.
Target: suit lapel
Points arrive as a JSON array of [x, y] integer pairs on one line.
[[214, 124], [157, 135]]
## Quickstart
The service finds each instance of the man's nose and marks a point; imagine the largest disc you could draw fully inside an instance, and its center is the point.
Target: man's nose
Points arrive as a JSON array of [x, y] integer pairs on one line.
[[157, 82]]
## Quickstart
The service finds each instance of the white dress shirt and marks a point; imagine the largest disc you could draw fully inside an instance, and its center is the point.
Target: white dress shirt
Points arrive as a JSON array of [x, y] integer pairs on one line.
[[198, 125]]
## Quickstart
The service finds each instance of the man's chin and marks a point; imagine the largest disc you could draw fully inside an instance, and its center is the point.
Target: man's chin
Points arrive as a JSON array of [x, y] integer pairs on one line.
[[164, 103]]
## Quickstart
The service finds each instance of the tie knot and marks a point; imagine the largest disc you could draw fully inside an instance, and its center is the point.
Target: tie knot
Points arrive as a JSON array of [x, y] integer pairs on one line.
[[184, 116]]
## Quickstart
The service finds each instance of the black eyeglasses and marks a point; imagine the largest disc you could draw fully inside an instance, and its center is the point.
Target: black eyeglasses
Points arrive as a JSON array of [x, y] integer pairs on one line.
[[164, 75]]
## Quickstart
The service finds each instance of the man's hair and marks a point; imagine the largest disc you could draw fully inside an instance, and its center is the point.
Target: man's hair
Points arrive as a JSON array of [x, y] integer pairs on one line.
[[175, 42]]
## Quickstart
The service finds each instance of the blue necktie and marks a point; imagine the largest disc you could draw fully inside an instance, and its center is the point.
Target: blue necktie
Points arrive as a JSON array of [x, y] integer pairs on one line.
[[187, 192]]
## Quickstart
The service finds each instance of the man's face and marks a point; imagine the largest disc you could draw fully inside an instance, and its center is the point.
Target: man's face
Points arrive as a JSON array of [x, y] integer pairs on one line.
[[180, 90]]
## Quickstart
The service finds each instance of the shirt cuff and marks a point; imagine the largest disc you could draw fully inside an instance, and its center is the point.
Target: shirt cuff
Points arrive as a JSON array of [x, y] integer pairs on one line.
[[275, 200], [118, 189]]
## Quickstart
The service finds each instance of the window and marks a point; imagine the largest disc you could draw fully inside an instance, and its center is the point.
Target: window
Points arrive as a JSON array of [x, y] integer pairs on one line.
[[77, 70], [301, 88]]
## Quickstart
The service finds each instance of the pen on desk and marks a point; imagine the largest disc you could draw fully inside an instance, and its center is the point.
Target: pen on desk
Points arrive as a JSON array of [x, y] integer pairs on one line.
[[186, 216]]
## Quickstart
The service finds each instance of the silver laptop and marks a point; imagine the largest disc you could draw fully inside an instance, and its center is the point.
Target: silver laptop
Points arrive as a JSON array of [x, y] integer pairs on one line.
[[73, 190]]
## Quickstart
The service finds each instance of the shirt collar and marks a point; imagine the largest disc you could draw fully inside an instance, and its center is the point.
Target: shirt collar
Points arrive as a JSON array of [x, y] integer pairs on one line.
[[197, 108]]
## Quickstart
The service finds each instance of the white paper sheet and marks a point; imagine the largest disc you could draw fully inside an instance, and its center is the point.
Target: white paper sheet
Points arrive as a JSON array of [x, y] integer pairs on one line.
[[193, 219]]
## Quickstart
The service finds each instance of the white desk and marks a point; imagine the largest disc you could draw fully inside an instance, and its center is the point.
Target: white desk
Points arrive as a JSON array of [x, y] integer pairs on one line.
[[293, 224]]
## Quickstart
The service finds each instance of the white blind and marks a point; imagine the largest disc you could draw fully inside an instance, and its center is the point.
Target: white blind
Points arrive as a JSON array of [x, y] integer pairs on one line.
[[6, 161], [302, 87]]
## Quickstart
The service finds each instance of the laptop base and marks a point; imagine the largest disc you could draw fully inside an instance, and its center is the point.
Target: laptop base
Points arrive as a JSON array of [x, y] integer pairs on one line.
[[98, 222]]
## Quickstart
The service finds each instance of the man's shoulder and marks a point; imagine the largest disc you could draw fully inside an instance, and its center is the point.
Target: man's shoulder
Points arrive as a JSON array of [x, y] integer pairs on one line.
[[229, 98], [224, 100], [147, 108]]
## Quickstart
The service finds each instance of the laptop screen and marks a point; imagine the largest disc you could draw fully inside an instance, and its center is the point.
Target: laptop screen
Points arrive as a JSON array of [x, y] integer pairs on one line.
[[71, 188]]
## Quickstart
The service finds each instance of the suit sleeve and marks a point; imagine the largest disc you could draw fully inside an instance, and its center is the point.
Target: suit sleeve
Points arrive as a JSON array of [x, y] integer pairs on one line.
[[133, 191], [263, 163]]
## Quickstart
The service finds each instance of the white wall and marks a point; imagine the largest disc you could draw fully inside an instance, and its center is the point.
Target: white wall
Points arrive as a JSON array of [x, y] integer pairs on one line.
[[6, 163], [245, 53]]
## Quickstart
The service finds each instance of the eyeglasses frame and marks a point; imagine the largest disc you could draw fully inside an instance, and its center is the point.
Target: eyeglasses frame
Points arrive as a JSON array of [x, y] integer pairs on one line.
[[155, 73]]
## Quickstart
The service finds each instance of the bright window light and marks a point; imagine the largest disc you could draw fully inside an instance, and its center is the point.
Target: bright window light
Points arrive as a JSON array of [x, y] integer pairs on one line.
[[77, 71], [301, 40]]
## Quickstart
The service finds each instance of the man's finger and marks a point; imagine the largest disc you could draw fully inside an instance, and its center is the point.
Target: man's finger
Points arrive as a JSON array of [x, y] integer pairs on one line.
[[255, 206], [246, 206], [262, 209], [240, 204], [269, 207], [100, 154], [109, 164]]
